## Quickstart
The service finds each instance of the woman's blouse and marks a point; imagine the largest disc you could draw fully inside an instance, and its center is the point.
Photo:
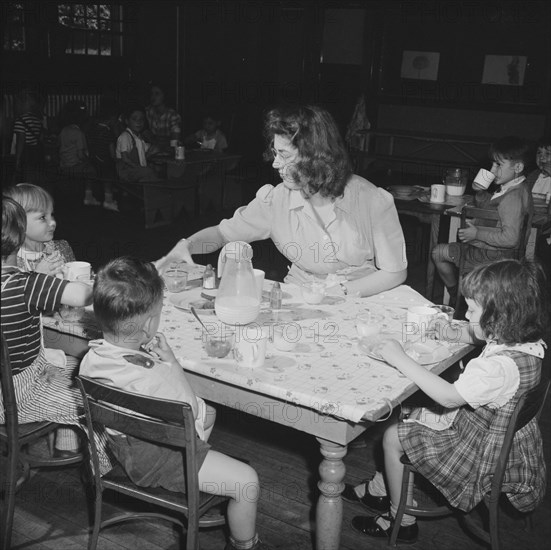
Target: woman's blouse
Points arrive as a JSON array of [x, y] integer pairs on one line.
[[24, 296], [362, 233], [163, 124]]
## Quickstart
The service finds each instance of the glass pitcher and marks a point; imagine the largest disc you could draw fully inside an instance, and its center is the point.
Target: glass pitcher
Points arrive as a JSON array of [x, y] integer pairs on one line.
[[236, 301], [455, 180]]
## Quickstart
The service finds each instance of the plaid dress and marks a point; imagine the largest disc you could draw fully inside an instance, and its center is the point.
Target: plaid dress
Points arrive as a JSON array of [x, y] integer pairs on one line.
[[458, 461]]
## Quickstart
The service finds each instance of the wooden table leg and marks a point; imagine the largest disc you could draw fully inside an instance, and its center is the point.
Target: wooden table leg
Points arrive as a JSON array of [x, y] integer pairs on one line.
[[434, 230], [331, 485]]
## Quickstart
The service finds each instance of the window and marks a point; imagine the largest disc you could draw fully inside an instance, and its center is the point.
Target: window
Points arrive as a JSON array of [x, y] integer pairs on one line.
[[93, 29], [14, 30]]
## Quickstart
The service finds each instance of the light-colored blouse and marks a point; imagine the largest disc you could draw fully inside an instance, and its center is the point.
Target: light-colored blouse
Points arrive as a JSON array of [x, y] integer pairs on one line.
[[360, 234]]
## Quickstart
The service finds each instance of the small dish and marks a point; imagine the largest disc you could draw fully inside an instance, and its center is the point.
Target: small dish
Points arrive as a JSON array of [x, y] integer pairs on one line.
[[202, 306], [425, 353]]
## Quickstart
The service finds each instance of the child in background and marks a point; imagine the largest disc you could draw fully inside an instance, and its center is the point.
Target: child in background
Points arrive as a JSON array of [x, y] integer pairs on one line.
[[73, 148], [128, 301], [539, 181], [512, 201], [102, 138], [210, 137], [455, 451], [39, 252], [43, 382], [132, 150], [27, 143]]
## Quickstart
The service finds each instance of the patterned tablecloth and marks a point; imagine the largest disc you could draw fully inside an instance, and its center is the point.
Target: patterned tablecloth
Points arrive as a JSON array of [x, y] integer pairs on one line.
[[326, 371]]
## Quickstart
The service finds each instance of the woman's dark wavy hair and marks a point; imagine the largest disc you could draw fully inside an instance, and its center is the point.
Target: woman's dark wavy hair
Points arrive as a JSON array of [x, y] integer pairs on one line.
[[323, 166], [513, 297], [124, 289]]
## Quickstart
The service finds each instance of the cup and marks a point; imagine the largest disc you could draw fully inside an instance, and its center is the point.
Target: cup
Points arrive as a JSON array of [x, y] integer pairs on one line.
[[369, 324], [87, 279], [249, 349], [286, 337], [437, 193], [175, 278], [313, 292], [219, 343], [259, 280], [483, 179], [71, 314], [72, 270], [418, 320]]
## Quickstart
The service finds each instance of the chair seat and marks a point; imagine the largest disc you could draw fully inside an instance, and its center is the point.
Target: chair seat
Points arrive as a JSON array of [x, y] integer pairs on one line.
[[32, 430], [118, 480]]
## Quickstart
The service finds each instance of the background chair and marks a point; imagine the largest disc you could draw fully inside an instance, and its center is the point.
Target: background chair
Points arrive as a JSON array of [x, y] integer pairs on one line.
[[488, 218], [528, 407], [166, 423], [14, 438]]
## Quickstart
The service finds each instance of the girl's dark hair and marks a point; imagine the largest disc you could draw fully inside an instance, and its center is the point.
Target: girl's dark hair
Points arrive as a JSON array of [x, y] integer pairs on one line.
[[323, 165], [132, 109], [14, 226], [513, 298], [124, 289]]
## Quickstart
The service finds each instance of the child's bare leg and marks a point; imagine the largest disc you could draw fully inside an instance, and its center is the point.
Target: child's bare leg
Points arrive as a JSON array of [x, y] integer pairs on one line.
[[209, 421], [444, 265], [223, 475]]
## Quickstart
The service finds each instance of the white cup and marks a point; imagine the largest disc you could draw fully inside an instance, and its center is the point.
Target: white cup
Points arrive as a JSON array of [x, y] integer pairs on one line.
[[259, 279], [73, 270], [484, 178], [313, 292], [249, 349], [418, 320], [437, 193], [369, 324]]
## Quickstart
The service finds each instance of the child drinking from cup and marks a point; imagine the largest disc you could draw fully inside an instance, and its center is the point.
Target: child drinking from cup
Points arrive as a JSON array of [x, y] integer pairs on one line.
[[456, 450], [209, 136], [39, 252], [133, 356], [512, 200], [43, 381]]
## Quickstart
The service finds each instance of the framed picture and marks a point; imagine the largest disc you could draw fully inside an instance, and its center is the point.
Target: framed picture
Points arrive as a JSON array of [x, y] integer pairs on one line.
[[505, 70], [420, 65]]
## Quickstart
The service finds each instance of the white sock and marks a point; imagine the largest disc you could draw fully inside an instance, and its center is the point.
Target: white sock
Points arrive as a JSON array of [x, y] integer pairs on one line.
[[406, 518], [377, 486], [67, 439], [108, 197]]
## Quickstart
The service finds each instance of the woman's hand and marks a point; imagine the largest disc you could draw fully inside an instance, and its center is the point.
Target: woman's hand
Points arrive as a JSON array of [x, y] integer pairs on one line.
[[51, 264], [180, 253], [159, 346], [392, 352]]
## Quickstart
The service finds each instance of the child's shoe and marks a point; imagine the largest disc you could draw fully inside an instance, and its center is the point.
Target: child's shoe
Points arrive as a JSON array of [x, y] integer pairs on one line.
[[91, 201], [111, 205]]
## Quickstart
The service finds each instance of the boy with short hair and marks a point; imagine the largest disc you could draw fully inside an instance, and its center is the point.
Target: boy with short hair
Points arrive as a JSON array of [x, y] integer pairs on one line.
[[133, 356], [512, 200]]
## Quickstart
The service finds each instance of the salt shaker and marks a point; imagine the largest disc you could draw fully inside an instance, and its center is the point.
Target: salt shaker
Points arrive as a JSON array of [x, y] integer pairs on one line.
[[209, 277], [276, 295]]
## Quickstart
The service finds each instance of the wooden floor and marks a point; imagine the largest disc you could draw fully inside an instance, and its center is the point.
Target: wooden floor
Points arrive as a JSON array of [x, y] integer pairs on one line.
[[53, 511]]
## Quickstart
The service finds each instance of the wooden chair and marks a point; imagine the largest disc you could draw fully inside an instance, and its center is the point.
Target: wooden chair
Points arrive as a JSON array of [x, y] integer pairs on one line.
[[165, 423], [492, 216], [528, 407], [14, 438]]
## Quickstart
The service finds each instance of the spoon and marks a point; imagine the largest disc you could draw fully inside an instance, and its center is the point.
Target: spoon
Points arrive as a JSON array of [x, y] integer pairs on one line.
[[192, 309]]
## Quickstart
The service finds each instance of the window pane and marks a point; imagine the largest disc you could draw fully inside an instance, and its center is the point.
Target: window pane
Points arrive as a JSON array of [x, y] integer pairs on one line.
[[79, 10], [105, 24], [79, 44], [92, 43], [105, 44]]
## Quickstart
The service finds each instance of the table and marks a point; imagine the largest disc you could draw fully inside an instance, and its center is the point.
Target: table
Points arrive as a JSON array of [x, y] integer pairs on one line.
[[431, 213], [326, 388]]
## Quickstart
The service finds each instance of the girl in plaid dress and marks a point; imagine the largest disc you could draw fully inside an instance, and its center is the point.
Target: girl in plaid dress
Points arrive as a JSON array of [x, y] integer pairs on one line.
[[456, 450]]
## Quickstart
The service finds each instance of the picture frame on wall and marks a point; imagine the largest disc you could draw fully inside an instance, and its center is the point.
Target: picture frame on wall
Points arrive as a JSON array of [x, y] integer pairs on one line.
[[504, 70], [419, 65]]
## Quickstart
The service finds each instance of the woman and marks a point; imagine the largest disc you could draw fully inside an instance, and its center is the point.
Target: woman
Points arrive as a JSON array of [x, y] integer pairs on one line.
[[164, 122], [330, 223]]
